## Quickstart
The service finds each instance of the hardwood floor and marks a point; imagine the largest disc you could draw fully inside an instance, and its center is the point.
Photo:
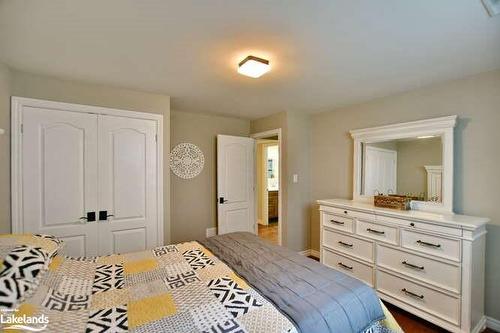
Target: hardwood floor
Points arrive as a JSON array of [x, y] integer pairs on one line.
[[269, 232], [412, 324]]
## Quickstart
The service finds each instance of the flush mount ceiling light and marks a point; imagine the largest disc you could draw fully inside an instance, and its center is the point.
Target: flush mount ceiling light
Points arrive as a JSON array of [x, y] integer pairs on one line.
[[426, 136], [492, 6], [253, 66]]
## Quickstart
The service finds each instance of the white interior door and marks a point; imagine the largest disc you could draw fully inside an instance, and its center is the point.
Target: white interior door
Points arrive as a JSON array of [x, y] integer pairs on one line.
[[127, 184], [235, 184], [380, 171], [59, 176]]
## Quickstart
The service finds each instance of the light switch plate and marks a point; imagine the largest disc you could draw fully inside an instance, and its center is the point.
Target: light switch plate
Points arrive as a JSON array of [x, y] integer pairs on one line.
[[295, 178], [2, 131]]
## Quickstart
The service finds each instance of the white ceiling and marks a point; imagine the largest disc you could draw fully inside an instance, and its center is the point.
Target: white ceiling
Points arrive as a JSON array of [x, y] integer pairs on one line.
[[324, 53]]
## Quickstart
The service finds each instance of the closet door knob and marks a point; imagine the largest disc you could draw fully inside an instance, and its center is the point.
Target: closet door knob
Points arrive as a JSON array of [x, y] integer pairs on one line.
[[89, 218], [103, 215]]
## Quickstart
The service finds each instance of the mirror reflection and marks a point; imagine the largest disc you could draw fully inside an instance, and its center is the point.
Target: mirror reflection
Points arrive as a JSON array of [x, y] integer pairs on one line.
[[408, 166]]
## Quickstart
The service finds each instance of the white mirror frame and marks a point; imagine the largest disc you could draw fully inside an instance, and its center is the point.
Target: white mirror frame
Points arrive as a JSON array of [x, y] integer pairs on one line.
[[443, 127]]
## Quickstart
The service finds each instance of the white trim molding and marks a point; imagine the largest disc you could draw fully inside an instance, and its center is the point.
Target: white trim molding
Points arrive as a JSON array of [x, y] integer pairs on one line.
[[281, 220], [314, 253], [442, 127], [211, 232], [493, 323], [310, 253]]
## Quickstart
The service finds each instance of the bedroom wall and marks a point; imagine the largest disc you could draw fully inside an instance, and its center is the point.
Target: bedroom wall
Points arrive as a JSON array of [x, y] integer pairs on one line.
[[476, 100], [412, 156], [43, 87], [193, 201], [296, 145], [5, 82]]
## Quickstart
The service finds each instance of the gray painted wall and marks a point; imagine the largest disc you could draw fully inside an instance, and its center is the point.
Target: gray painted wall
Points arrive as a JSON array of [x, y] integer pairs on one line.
[[5, 85], [476, 100], [194, 207], [412, 156], [296, 197]]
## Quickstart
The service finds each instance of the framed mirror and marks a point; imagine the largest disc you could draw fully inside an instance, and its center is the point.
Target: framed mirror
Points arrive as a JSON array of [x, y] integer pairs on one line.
[[413, 159]]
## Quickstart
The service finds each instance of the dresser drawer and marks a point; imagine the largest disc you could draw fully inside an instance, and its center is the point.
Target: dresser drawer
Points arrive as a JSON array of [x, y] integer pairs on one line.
[[434, 245], [351, 267], [441, 274], [379, 232], [338, 222], [434, 302], [353, 214], [422, 226], [347, 244]]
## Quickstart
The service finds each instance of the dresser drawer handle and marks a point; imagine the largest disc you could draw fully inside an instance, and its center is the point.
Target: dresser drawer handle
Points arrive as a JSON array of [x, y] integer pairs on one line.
[[373, 231], [420, 242], [345, 244], [407, 292], [340, 264], [412, 265], [337, 222]]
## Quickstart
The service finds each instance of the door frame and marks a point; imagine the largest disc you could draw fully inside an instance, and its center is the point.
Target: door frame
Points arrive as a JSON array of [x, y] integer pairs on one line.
[[263, 135], [17, 105]]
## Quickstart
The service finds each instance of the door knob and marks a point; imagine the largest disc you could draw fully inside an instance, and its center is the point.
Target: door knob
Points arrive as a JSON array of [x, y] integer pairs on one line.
[[222, 200], [89, 218], [103, 215]]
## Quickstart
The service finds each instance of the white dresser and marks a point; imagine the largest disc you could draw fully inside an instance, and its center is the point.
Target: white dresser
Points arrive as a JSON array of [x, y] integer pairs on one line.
[[429, 264]]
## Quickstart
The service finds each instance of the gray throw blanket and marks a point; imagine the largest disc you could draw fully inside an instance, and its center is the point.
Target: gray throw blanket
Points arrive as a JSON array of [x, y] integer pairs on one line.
[[317, 298]]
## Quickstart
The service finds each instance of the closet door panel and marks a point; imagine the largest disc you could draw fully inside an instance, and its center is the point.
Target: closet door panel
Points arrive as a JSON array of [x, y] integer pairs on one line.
[[128, 174], [59, 168], [127, 184]]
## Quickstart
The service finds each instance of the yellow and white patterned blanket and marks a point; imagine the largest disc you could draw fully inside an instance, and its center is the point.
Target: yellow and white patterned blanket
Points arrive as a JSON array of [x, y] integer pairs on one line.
[[174, 288]]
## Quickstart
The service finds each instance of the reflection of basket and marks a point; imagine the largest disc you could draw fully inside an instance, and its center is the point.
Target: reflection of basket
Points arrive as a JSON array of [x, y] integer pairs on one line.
[[401, 202]]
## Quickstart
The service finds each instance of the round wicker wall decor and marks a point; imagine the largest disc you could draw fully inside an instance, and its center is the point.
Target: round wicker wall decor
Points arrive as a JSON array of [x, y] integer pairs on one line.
[[186, 160]]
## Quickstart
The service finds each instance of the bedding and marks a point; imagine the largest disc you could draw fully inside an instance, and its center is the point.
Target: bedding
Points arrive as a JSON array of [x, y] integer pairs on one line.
[[173, 288], [317, 298], [23, 260]]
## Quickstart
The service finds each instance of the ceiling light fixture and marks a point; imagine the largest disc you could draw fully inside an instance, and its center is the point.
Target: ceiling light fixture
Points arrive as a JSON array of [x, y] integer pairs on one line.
[[253, 66], [492, 6], [425, 136]]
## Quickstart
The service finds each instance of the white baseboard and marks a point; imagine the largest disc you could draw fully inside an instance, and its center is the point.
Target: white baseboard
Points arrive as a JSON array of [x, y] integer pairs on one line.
[[310, 252], [480, 326], [305, 252], [211, 232], [314, 253], [493, 323]]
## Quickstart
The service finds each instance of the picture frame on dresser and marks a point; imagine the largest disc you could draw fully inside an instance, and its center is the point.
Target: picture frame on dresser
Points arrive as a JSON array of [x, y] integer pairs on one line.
[[428, 260]]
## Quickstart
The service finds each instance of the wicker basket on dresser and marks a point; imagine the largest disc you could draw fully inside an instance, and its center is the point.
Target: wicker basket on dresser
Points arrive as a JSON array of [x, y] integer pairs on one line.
[[431, 265]]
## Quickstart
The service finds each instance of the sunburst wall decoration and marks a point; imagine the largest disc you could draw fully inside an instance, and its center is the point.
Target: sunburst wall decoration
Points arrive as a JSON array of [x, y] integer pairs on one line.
[[186, 160]]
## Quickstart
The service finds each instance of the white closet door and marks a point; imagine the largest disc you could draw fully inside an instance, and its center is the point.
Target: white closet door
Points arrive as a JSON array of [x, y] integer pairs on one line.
[[59, 176], [127, 184]]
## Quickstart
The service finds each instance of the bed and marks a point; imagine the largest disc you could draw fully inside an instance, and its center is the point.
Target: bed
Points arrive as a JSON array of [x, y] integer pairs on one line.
[[229, 283]]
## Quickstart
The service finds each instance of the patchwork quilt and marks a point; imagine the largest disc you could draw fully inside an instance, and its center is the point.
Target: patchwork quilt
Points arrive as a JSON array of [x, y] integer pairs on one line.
[[174, 288]]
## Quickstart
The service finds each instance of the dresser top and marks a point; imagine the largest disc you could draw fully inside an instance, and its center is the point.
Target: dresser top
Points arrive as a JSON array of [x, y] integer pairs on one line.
[[467, 222]]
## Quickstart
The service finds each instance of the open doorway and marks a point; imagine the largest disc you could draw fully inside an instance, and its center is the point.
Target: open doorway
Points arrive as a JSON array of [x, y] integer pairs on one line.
[[268, 185]]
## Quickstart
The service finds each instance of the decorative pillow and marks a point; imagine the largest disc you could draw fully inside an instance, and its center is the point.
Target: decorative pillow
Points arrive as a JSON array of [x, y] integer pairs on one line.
[[24, 259]]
